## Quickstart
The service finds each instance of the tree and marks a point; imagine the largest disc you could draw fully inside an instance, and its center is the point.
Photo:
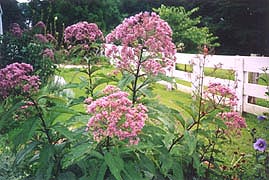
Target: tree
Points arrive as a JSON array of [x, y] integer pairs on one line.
[[241, 25], [11, 13], [185, 28], [61, 13]]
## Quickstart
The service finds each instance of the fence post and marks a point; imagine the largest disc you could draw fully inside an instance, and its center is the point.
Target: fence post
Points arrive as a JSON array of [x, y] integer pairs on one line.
[[197, 76], [239, 83]]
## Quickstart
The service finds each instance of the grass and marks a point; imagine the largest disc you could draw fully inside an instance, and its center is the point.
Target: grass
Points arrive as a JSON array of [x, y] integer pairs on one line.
[[212, 72], [183, 82]]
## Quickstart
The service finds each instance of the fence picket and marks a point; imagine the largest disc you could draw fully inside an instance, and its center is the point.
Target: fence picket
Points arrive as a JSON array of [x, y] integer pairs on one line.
[[241, 65]]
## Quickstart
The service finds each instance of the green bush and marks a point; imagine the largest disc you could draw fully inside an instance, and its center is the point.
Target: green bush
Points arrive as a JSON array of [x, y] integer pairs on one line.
[[32, 46]]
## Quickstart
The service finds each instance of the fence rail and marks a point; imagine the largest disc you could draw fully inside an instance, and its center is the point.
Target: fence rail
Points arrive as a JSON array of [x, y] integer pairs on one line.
[[242, 67]]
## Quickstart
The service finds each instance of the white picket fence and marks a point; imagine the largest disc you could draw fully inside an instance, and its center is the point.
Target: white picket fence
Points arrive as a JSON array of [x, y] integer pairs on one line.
[[241, 65]]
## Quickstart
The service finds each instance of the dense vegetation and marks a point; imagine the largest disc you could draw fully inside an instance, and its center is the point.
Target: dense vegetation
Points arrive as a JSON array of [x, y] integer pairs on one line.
[[112, 120], [240, 25]]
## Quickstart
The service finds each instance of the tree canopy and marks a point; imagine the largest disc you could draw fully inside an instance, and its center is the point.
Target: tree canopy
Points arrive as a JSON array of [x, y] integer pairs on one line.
[[241, 25], [187, 34]]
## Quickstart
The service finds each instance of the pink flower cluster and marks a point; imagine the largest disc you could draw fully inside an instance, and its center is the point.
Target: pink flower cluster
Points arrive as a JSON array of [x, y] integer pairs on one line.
[[144, 31], [41, 25], [115, 116], [16, 30], [48, 38], [82, 33], [14, 80], [48, 53], [27, 105], [234, 121], [42, 38], [220, 94]]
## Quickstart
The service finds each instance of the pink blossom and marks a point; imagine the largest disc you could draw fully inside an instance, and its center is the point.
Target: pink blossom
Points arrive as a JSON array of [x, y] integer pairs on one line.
[[88, 100], [48, 53], [233, 121], [82, 33], [15, 80], [143, 37], [41, 38], [115, 116], [51, 38], [16, 30], [220, 94], [41, 25], [27, 105]]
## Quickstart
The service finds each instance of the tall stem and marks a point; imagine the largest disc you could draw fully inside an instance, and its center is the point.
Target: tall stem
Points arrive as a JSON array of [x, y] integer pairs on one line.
[[46, 130], [134, 85], [201, 82], [40, 115], [212, 152], [90, 79]]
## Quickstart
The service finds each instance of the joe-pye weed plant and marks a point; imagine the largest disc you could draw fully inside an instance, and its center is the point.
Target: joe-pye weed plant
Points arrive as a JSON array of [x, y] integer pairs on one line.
[[125, 133]]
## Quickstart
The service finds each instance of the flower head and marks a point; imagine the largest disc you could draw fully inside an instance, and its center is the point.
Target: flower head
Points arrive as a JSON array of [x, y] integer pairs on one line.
[[260, 145], [82, 33], [48, 53], [41, 38], [115, 116], [144, 32], [41, 25], [15, 79], [51, 38], [16, 30], [261, 118], [221, 94], [233, 121]]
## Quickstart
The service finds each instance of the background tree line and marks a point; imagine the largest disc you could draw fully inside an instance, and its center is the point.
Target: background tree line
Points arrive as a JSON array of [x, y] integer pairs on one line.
[[242, 26]]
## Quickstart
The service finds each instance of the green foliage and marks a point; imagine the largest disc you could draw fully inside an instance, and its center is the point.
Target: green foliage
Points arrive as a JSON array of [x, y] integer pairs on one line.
[[61, 13], [186, 30], [180, 139], [241, 25], [27, 49]]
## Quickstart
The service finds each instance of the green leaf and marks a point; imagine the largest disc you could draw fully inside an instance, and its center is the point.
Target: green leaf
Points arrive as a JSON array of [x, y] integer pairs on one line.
[[177, 170], [46, 163], [126, 80], [7, 114], [147, 92], [132, 171], [25, 132], [78, 152], [179, 117], [186, 108], [62, 109], [115, 164], [167, 122], [100, 81], [64, 131], [66, 176], [70, 86], [147, 164], [191, 142], [167, 163], [21, 155], [52, 98], [220, 123], [102, 171]]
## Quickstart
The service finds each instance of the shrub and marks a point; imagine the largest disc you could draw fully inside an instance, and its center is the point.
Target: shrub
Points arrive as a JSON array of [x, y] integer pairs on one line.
[[32, 46]]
